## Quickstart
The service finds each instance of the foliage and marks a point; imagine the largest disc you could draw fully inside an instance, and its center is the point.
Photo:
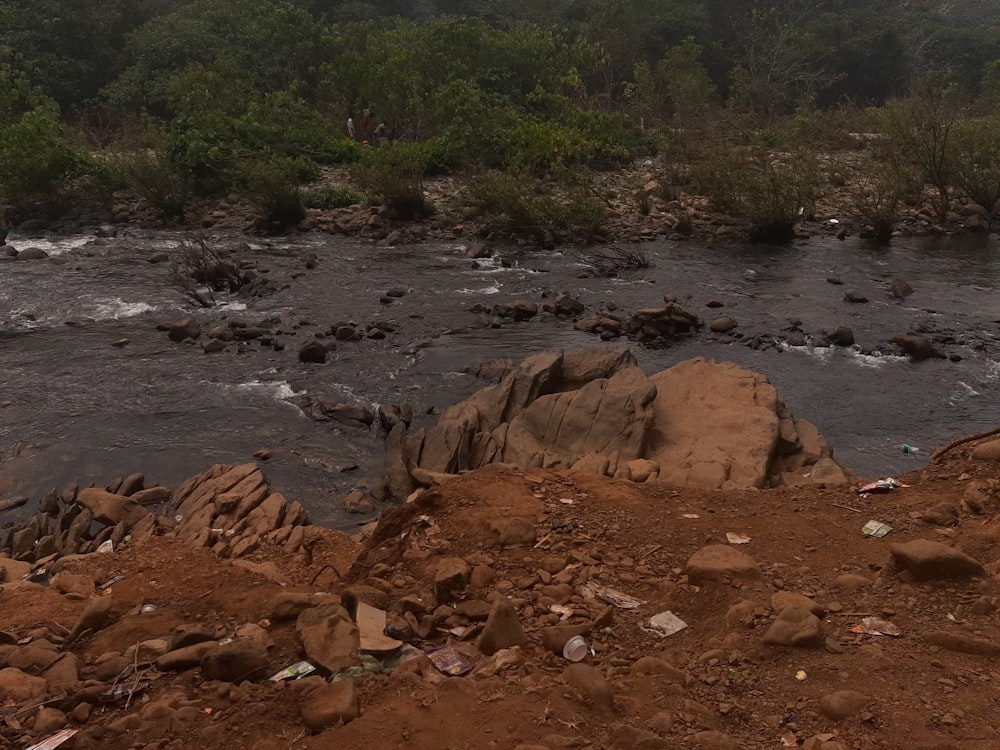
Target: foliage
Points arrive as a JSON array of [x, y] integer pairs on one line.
[[612, 260], [522, 205], [272, 184], [976, 161], [921, 126], [155, 179], [35, 158], [393, 175], [770, 191], [202, 269], [885, 181], [331, 197]]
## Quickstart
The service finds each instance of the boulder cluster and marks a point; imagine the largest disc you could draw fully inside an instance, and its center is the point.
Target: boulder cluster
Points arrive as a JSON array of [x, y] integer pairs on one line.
[[700, 423], [231, 509]]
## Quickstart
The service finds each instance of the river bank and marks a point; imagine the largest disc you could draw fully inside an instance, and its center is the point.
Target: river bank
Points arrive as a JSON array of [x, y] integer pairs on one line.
[[778, 643]]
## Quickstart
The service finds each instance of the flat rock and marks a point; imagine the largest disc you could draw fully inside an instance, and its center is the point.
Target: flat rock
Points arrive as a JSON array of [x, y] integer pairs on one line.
[[109, 508], [591, 684], [238, 661], [712, 739], [450, 578], [187, 657], [927, 560], [94, 617], [17, 686], [718, 561], [988, 451], [963, 644], [842, 704], [330, 705], [796, 626]]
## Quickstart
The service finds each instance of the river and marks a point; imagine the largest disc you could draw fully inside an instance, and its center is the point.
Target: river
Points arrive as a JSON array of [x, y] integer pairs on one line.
[[74, 407]]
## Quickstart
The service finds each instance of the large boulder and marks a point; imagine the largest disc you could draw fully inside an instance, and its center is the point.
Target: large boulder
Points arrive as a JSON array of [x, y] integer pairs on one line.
[[700, 423]]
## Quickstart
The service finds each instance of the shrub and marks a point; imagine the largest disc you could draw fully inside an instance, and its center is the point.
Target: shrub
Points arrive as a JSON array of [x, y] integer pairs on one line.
[[976, 161], [201, 270], [393, 175], [272, 184], [35, 158], [155, 179], [524, 206], [330, 197], [885, 180], [610, 261], [768, 191]]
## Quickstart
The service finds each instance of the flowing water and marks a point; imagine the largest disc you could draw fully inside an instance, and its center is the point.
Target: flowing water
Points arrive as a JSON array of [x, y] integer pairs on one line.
[[75, 408]]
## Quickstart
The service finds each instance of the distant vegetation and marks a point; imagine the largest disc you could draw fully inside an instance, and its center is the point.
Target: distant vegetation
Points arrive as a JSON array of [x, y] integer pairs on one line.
[[181, 100]]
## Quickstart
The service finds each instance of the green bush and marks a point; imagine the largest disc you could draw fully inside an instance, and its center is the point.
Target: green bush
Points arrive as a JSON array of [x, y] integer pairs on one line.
[[522, 205], [331, 197], [272, 184], [35, 158], [155, 179], [769, 192], [394, 175]]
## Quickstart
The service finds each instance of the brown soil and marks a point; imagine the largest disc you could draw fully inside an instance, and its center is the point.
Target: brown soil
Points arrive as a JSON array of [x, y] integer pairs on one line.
[[633, 538]]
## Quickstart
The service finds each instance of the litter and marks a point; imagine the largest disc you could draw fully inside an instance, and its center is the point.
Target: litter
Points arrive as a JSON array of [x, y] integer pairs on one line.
[[575, 649], [801, 675], [449, 661], [294, 672], [876, 626], [876, 529], [562, 610], [907, 448], [737, 538], [664, 624], [964, 476], [690, 515], [371, 626], [54, 741], [617, 598], [880, 487], [567, 501], [147, 608]]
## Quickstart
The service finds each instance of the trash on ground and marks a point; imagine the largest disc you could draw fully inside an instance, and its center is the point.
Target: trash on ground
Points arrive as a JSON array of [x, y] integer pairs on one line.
[[880, 487], [801, 675], [737, 538], [53, 741], [876, 626], [907, 448], [690, 515], [615, 597], [664, 624], [576, 648], [876, 529], [371, 626], [294, 671], [119, 694], [964, 476], [789, 740], [567, 501], [449, 661], [106, 546], [147, 608], [562, 610]]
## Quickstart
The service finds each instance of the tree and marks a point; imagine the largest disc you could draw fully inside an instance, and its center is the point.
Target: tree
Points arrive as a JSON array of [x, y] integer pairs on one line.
[[921, 126]]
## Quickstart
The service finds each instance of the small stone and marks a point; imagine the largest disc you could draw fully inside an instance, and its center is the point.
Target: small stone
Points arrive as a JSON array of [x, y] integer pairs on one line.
[[795, 626], [502, 629]]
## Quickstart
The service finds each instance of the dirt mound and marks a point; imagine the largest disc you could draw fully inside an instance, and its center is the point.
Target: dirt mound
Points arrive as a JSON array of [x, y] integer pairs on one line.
[[780, 593]]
